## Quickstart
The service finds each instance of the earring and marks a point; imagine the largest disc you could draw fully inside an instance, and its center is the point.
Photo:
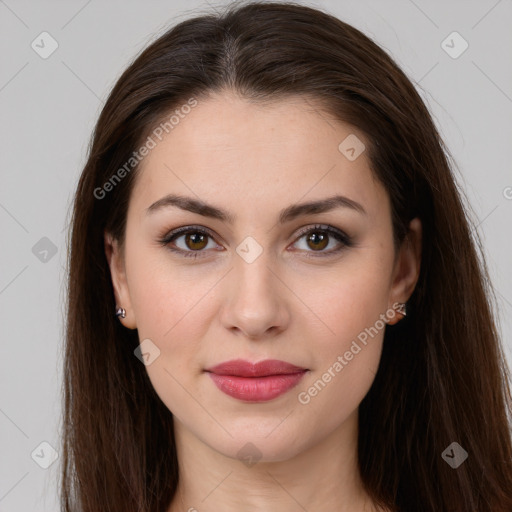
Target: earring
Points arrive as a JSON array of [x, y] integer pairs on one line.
[[402, 308], [120, 312]]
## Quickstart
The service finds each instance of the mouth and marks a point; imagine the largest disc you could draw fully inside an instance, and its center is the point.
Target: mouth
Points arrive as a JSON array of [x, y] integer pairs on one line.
[[256, 382]]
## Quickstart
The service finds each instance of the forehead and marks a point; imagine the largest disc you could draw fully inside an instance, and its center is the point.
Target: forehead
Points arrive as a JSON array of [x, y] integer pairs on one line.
[[232, 151]]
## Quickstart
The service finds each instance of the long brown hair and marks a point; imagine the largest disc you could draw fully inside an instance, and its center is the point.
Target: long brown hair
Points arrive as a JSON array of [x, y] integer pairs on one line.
[[442, 377]]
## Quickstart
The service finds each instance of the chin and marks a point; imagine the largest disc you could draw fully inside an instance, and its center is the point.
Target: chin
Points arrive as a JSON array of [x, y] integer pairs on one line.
[[262, 443]]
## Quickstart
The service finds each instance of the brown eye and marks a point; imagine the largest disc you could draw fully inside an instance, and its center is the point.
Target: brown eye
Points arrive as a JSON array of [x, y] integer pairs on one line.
[[189, 241], [317, 240], [196, 241]]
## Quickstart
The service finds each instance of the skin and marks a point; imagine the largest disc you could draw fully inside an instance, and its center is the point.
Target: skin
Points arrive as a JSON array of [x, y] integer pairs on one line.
[[254, 160]]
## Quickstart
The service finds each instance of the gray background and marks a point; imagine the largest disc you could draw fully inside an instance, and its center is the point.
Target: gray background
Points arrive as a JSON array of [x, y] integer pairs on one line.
[[49, 107]]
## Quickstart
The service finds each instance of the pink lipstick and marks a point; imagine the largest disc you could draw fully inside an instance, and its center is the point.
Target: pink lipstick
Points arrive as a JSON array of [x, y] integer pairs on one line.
[[255, 382]]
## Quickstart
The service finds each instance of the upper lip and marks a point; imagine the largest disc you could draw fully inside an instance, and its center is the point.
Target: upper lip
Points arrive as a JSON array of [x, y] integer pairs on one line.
[[242, 368]]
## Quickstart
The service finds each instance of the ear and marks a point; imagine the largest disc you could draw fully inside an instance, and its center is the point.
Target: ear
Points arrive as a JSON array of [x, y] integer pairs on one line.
[[115, 259], [407, 267]]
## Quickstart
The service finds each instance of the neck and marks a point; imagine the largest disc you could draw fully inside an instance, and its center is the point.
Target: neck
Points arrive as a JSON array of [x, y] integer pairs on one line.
[[325, 474]]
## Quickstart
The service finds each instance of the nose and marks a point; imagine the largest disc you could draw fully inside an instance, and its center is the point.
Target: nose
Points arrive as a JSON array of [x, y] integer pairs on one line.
[[256, 304]]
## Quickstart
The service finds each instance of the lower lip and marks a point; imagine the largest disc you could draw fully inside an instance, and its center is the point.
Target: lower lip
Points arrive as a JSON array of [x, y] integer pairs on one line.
[[256, 389]]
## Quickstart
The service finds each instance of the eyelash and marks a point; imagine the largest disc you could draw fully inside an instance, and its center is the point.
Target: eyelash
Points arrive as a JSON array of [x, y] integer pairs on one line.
[[341, 237]]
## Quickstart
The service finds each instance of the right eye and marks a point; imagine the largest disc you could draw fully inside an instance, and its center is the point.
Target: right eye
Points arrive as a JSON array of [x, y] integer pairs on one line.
[[193, 241]]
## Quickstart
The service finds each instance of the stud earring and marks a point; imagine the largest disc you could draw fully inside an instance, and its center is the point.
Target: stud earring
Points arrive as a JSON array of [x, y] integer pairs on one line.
[[120, 312], [402, 308]]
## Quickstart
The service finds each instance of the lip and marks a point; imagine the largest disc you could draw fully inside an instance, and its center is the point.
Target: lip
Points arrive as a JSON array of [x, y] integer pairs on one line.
[[255, 382]]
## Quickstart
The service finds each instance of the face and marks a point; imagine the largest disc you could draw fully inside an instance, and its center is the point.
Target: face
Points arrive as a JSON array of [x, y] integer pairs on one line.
[[268, 281]]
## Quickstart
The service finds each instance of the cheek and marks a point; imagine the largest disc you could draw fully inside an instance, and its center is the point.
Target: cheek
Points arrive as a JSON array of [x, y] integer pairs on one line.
[[170, 312], [164, 294], [351, 306], [350, 300], [172, 304]]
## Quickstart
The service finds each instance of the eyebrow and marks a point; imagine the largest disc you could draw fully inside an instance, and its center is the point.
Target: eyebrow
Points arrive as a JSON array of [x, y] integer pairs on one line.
[[286, 215]]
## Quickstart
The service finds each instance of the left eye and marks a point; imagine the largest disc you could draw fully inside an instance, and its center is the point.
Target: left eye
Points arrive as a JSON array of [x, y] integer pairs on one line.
[[195, 240], [318, 239]]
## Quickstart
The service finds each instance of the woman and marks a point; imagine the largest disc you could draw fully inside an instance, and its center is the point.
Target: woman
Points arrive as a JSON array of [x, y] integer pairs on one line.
[[275, 302]]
